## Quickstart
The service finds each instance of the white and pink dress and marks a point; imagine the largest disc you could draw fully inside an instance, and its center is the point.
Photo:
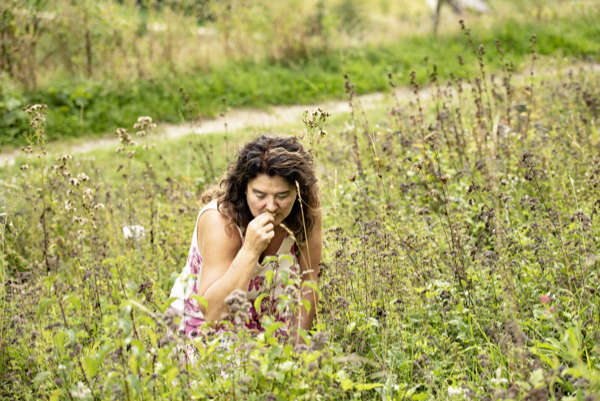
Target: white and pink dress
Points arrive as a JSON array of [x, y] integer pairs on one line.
[[186, 284]]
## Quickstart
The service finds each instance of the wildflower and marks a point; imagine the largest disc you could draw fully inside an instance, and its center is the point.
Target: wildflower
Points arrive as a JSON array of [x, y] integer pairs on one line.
[[318, 340], [239, 307], [455, 391], [99, 206], [87, 194], [134, 232], [68, 205], [74, 181], [143, 125], [545, 299], [24, 166], [82, 177], [81, 392]]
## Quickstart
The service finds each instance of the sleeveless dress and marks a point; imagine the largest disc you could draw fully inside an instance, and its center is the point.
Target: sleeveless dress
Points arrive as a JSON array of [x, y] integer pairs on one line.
[[284, 265]]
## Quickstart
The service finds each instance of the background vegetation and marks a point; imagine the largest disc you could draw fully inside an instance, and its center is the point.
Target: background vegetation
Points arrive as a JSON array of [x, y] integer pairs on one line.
[[461, 258], [100, 64]]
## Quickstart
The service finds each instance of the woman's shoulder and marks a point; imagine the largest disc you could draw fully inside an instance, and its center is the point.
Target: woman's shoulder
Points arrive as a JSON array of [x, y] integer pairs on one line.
[[213, 225]]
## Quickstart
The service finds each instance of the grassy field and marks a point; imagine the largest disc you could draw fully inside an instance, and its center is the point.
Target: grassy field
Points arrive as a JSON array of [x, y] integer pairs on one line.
[[84, 106], [460, 261]]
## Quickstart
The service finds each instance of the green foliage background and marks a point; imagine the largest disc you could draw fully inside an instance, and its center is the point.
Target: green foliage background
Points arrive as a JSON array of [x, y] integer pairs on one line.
[[111, 95], [461, 258]]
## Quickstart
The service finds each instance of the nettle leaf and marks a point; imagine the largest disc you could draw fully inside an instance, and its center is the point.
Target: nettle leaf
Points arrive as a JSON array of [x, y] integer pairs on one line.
[[269, 277], [257, 302], [91, 363], [200, 300], [271, 328]]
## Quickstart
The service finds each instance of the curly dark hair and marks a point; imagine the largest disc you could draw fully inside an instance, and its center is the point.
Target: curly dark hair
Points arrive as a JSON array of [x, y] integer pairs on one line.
[[274, 156]]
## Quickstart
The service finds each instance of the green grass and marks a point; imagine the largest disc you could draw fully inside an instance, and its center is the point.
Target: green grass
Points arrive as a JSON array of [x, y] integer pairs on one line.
[[95, 108]]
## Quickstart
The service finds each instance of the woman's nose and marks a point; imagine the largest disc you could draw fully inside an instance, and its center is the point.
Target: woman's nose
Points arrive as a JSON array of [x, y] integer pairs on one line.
[[271, 205]]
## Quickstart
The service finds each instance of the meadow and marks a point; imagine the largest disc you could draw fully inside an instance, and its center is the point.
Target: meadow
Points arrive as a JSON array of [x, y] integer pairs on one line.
[[461, 255], [99, 65]]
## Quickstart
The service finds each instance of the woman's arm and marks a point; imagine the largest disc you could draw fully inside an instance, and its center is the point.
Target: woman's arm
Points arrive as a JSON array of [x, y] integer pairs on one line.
[[227, 265], [310, 258]]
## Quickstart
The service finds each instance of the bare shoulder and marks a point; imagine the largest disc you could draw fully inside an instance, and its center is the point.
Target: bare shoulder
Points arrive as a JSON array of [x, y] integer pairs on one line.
[[217, 233]]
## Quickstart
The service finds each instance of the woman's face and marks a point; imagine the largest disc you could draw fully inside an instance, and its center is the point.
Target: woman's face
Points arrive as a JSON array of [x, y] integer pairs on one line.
[[273, 194]]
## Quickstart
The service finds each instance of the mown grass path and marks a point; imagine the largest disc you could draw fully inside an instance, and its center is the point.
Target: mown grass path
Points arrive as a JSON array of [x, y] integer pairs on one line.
[[244, 118], [232, 121]]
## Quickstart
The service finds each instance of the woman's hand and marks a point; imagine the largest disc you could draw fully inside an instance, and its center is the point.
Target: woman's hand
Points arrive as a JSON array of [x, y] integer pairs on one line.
[[259, 233]]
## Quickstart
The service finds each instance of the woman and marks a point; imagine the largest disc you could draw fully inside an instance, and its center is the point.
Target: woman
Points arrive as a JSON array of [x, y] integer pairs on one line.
[[256, 212]]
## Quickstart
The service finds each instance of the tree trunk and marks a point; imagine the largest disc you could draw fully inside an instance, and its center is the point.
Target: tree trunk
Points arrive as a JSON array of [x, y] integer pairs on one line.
[[88, 52]]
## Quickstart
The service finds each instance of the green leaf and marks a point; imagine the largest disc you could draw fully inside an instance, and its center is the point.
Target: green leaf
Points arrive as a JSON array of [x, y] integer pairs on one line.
[[346, 384], [304, 334], [366, 386], [270, 329], [201, 301], [91, 365], [43, 305], [287, 257], [134, 381], [72, 300], [257, 302], [60, 339], [268, 259], [171, 374], [166, 304], [269, 277], [306, 304]]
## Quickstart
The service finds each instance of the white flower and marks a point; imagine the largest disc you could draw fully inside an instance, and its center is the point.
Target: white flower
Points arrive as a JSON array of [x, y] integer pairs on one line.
[[81, 392], [87, 194], [135, 232], [456, 391]]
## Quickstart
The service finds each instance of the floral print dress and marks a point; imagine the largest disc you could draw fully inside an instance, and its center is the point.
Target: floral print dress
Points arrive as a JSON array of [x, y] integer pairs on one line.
[[283, 265]]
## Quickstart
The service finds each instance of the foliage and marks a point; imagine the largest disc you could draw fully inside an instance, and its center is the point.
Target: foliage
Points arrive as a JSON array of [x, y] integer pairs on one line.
[[91, 107], [460, 260]]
